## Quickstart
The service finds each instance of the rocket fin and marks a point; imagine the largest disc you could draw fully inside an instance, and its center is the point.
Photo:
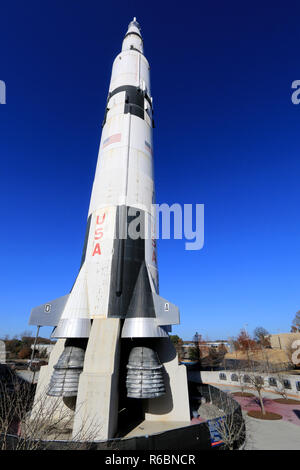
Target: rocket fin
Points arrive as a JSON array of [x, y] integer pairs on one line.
[[75, 321], [48, 314], [166, 312]]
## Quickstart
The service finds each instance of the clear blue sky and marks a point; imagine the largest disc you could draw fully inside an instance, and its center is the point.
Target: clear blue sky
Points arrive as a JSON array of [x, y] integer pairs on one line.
[[227, 136]]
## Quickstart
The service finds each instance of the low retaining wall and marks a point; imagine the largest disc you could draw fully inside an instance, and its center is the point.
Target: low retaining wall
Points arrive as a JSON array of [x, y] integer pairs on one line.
[[224, 377], [194, 437]]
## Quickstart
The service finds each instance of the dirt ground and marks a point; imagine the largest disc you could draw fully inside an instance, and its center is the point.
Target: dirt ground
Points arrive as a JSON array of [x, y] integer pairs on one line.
[[271, 355]]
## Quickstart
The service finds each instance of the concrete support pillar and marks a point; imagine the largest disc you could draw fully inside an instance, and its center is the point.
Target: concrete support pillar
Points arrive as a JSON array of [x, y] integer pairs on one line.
[[52, 407], [174, 405], [96, 414]]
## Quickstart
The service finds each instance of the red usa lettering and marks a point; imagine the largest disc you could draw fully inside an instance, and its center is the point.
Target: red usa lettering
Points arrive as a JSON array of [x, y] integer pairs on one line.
[[98, 234]]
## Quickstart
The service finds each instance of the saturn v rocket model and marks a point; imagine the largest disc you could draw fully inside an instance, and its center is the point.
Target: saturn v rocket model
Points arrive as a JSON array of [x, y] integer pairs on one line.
[[118, 276]]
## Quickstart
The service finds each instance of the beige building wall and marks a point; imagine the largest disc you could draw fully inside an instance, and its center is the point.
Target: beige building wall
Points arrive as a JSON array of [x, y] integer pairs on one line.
[[283, 340]]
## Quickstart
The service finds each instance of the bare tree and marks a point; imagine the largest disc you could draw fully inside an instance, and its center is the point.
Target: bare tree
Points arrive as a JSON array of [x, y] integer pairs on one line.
[[231, 427], [257, 383], [296, 321], [35, 424], [261, 336], [280, 386], [254, 377], [238, 370], [195, 352], [177, 343], [242, 384]]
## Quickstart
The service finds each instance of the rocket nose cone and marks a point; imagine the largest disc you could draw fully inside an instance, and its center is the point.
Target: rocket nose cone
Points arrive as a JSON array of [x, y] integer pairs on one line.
[[135, 23], [133, 37], [134, 26]]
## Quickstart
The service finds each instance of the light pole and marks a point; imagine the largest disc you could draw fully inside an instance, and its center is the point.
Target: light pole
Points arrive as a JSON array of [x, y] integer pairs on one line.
[[32, 354]]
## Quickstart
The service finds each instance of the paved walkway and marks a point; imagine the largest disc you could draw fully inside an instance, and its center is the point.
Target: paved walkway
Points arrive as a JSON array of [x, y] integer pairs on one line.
[[153, 427], [271, 435], [289, 413]]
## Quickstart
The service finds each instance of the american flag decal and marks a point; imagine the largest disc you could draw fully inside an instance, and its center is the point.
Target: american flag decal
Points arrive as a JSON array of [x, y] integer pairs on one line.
[[148, 147], [112, 140]]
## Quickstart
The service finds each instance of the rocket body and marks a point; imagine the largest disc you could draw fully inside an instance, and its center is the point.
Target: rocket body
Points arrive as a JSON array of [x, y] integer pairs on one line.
[[118, 276]]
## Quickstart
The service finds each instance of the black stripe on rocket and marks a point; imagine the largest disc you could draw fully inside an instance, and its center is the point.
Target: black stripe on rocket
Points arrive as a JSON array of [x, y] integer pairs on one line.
[[134, 101], [130, 290], [86, 239]]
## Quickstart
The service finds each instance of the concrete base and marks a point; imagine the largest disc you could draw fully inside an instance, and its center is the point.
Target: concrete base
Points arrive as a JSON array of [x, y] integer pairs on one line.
[[153, 427], [96, 415], [174, 405]]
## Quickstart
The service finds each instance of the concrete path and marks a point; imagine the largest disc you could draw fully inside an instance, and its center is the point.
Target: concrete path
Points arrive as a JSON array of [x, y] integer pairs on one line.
[[152, 427], [271, 435]]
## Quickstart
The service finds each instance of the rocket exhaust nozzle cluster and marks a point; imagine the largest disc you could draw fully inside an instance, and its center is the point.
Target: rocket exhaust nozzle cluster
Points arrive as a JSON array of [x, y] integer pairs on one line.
[[144, 374], [65, 378]]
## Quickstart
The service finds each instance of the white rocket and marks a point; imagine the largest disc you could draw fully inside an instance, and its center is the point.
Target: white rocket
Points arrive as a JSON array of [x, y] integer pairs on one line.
[[118, 276]]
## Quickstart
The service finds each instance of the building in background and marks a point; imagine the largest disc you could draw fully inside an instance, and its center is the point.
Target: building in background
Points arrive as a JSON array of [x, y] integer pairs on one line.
[[283, 340], [43, 349], [205, 347]]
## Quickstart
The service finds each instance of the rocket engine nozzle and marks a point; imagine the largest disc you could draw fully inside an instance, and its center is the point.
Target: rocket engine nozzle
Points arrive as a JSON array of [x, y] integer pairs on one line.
[[145, 374], [65, 378]]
